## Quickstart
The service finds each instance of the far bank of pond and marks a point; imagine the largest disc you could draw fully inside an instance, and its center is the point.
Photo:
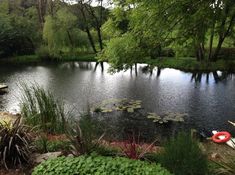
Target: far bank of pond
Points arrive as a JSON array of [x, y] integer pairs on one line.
[[182, 63]]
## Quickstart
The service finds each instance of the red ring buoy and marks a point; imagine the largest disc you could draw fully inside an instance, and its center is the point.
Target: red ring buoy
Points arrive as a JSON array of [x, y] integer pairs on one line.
[[216, 138]]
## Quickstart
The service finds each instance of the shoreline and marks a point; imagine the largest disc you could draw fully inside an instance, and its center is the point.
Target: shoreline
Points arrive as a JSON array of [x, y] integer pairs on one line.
[[187, 64]]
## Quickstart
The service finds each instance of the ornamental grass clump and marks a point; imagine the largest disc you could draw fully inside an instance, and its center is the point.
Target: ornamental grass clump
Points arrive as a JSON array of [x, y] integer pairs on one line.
[[14, 144], [84, 135], [182, 156], [40, 108]]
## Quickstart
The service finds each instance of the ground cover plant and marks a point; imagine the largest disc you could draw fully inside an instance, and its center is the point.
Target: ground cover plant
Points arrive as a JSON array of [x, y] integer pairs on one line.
[[84, 165]]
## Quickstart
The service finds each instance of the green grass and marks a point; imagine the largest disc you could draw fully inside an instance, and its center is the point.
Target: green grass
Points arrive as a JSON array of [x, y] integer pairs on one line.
[[84, 57], [190, 64], [21, 59], [36, 59]]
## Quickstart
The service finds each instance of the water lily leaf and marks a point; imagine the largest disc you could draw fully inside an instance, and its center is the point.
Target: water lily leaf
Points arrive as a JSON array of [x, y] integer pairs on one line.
[[106, 110], [137, 107], [155, 120], [130, 110], [151, 117]]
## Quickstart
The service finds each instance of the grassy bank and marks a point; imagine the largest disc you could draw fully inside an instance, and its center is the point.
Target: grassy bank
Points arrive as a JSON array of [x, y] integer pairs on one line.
[[182, 63], [190, 64], [37, 59]]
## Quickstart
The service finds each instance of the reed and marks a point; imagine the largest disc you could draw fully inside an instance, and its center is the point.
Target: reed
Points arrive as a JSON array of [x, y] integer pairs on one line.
[[41, 109]]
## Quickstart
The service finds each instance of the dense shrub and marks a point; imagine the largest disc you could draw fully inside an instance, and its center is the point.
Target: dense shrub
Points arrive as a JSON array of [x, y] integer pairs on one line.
[[40, 108], [182, 156], [98, 165], [14, 144]]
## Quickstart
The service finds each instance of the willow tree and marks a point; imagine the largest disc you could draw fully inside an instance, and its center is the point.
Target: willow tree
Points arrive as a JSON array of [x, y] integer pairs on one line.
[[61, 33]]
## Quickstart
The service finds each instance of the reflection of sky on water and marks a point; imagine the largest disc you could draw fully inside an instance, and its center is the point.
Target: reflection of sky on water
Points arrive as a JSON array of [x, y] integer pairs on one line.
[[208, 99]]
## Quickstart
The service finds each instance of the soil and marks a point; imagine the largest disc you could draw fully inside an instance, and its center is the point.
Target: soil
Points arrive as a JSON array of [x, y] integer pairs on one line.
[[24, 171]]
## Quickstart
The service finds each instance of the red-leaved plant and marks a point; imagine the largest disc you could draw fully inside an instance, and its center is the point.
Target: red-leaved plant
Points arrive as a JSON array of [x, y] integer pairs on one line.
[[135, 150]]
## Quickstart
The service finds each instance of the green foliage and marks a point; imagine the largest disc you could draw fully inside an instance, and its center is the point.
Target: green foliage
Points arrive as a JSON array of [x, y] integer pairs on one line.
[[18, 29], [40, 108], [168, 24], [104, 150], [14, 144], [84, 135], [190, 64], [43, 53], [61, 35], [43, 145], [98, 165], [122, 52], [182, 155]]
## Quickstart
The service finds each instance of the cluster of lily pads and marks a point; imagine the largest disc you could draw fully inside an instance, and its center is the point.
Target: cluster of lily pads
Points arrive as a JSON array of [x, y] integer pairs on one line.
[[124, 104], [168, 117], [130, 106]]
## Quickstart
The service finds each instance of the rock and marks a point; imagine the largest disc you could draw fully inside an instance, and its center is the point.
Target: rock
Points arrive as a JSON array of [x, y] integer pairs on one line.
[[8, 117], [70, 155], [39, 158]]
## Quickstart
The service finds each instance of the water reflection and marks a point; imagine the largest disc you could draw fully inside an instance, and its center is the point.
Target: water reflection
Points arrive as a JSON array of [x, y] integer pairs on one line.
[[216, 75], [208, 98]]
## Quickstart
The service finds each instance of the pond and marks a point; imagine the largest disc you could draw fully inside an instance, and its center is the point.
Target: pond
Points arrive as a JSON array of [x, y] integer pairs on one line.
[[207, 99]]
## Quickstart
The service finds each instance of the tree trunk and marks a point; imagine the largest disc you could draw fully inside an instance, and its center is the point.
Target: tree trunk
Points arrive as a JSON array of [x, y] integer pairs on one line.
[[70, 39], [41, 8], [224, 32], [200, 52], [100, 38], [91, 40], [211, 41], [87, 28], [218, 48], [222, 37], [98, 25]]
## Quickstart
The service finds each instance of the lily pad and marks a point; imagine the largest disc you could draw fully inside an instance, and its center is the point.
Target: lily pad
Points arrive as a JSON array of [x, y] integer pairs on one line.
[[130, 110], [173, 117]]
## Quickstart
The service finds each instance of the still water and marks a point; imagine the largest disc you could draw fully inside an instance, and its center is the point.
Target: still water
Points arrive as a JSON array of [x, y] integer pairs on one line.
[[208, 99]]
